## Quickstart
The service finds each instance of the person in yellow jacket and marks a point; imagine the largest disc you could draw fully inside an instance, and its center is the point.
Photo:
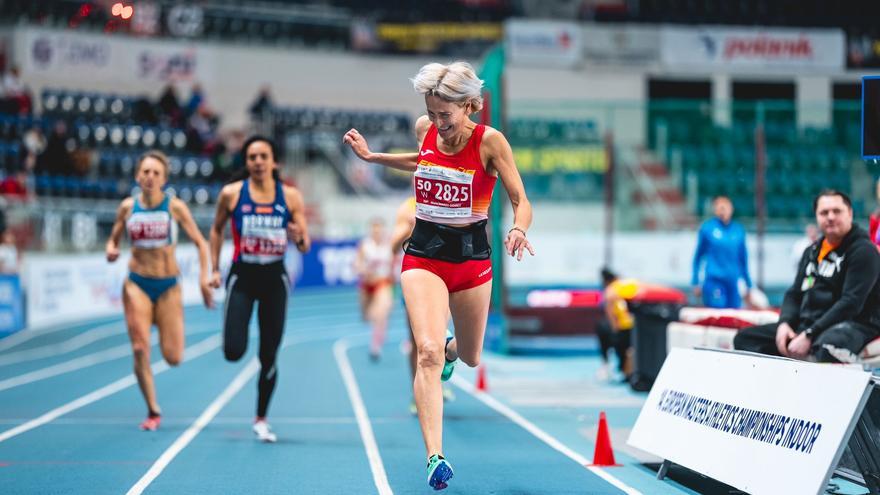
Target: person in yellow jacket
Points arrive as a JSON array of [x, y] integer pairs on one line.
[[615, 329]]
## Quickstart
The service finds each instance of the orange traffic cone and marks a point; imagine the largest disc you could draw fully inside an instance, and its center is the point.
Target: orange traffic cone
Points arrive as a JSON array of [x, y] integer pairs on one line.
[[481, 384], [604, 454]]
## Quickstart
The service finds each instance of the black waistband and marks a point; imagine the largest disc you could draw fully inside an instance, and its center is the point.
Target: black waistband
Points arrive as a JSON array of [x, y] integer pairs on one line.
[[448, 243], [242, 267]]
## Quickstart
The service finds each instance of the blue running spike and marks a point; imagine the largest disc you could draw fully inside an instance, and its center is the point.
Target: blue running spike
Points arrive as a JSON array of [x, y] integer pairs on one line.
[[448, 366], [439, 472]]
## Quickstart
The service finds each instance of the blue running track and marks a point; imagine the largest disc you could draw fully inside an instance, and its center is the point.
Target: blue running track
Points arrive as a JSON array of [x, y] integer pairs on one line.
[[70, 409]]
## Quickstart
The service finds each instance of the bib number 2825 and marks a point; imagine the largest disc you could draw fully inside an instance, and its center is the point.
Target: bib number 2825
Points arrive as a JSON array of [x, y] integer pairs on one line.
[[441, 191]]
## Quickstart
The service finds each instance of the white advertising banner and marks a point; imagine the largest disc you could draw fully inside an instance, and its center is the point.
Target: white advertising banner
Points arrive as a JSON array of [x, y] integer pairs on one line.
[[109, 57], [763, 425], [543, 43], [659, 257], [621, 44], [67, 288], [713, 48]]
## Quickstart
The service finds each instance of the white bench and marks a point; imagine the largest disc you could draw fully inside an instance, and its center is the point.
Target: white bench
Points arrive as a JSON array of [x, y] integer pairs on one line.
[[715, 329]]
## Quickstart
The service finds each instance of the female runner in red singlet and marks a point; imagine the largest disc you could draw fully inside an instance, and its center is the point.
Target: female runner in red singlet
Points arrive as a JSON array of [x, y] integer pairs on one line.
[[447, 261], [373, 265]]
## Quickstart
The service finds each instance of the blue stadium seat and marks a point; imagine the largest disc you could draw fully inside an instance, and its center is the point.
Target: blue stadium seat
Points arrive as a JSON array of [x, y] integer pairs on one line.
[[202, 195], [178, 140], [150, 137], [175, 166], [127, 162], [206, 168], [133, 135], [42, 184], [190, 167]]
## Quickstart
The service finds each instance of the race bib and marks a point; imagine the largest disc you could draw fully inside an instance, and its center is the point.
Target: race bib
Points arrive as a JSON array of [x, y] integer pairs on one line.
[[149, 229], [443, 192], [263, 245]]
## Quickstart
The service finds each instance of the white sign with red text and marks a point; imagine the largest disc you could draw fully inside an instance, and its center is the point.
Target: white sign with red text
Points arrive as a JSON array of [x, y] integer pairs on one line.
[[753, 48], [543, 43]]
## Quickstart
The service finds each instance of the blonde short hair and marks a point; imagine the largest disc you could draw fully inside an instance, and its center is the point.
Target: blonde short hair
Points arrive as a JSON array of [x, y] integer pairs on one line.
[[456, 83]]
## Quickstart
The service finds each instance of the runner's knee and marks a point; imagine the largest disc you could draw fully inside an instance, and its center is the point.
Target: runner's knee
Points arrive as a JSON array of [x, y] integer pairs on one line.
[[431, 354], [470, 358], [233, 353], [140, 348], [172, 357]]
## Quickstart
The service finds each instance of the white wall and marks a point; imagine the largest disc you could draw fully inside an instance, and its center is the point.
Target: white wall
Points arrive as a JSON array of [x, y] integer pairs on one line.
[[575, 257]]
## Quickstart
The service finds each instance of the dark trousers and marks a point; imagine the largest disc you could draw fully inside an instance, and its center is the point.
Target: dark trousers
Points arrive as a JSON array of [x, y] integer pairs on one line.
[[609, 339], [266, 285], [839, 344]]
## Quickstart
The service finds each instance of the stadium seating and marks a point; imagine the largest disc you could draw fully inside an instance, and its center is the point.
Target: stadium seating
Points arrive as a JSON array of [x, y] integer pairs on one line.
[[75, 104], [799, 163], [286, 119], [102, 124]]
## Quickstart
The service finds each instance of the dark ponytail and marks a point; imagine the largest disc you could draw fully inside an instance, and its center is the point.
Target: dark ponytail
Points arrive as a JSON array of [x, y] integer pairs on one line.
[[243, 173]]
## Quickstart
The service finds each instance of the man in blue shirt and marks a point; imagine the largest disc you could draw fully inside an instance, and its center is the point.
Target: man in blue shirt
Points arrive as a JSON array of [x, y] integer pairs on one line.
[[721, 251]]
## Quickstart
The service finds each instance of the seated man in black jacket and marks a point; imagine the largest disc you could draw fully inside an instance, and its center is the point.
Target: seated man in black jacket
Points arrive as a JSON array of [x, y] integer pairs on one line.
[[833, 309]]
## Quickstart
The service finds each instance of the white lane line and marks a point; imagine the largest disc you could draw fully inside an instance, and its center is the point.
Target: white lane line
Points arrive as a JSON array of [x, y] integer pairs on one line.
[[228, 420], [541, 434], [309, 299], [340, 351], [81, 362], [27, 334], [98, 358], [78, 342], [209, 413], [160, 366], [183, 440], [68, 366]]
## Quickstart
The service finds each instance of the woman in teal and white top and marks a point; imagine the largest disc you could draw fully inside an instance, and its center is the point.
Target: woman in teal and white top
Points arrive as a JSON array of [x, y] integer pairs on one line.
[[151, 294]]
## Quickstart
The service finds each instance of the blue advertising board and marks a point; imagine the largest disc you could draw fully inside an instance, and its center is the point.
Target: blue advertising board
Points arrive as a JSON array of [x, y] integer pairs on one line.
[[11, 305]]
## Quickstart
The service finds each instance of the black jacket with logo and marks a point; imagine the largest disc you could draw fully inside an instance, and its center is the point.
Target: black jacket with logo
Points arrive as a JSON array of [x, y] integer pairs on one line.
[[844, 286]]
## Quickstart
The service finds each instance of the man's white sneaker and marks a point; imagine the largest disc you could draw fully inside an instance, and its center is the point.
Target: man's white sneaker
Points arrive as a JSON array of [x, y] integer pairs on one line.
[[264, 432]]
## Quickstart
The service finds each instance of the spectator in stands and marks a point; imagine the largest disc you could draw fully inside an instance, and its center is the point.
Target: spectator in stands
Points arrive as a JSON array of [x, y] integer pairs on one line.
[[615, 328], [721, 246], [833, 309], [196, 100], [34, 145], [811, 233], [16, 96], [14, 185], [56, 160], [143, 111], [9, 260], [262, 105], [874, 224], [202, 134], [3, 205], [169, 107], [229, 153]]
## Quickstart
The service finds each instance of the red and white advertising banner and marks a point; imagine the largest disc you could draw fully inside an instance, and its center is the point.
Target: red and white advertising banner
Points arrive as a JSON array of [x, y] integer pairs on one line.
[[543, 43], [753, 48]]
